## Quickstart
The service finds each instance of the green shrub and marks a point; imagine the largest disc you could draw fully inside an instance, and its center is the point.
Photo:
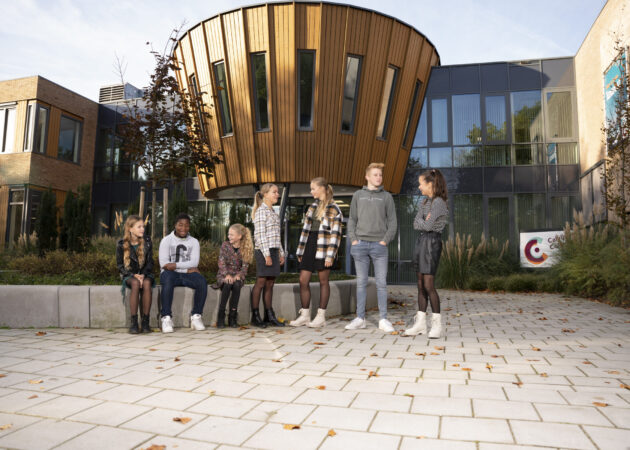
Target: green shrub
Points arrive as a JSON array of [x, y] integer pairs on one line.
[[478, 283], [521, 282], [496, 284]]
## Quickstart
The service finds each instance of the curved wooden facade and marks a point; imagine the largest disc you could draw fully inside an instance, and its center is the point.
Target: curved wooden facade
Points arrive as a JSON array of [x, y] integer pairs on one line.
[[284, 152]]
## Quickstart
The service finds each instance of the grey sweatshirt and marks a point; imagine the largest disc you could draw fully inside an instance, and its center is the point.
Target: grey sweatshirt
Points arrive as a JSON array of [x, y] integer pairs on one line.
[[183, 252], [372, 216]]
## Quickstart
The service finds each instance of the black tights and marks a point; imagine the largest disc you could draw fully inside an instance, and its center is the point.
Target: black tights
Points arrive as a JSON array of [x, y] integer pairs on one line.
[[305, 290], [265, 283], [235, 289], [134, 295], [426, 288]]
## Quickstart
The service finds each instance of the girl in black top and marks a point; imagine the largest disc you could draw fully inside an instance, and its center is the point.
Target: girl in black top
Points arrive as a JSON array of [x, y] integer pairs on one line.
[[134, 258]]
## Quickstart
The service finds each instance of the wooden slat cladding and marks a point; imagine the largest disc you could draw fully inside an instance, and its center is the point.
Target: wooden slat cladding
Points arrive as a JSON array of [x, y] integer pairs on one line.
[[284, 152]]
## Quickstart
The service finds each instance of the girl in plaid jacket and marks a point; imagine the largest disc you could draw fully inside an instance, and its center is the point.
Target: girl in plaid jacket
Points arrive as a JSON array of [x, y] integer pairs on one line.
[[317, 250]]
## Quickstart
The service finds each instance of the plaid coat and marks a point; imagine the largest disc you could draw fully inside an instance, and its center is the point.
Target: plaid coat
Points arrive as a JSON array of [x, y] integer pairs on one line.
[[329, 233], [230, 263]]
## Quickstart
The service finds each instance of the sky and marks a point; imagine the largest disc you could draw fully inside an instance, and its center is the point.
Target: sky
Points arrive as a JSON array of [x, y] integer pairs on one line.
[[75, 43]]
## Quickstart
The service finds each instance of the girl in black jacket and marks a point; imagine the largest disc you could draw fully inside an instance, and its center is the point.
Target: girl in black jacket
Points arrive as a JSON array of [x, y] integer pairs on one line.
[[134, 258]]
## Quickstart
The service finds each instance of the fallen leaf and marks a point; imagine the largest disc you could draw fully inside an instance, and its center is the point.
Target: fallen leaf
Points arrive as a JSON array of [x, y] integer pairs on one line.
[[159, 367], [586, 362], [374, 354], [2, 375], [153, 349], [329, 339], [372, 374], [319, 343], [488, 366], [177, 359], [35, 381], [409, 395], [613, 372], [434, 353], [211, 392], [536, 349], [544, 375], [33, 396], [331, 433], [601, 318], [492, 343], [110, 364], [448, 309], [200, 379], [455, 365], [568, 330], [276, 360], [518, 383], [520, 311], [321, 388], [279, 332], [466, 369], [421, 354], [182, 419], [394, 333], [420, 437], [438, 347], [98, 375], [6, 427], [40, 333], [155, 447], [532, 360], [243, 327], [494, 356], [542, 318], [458, 314], [601, 404], [290, 426], [624, 386]]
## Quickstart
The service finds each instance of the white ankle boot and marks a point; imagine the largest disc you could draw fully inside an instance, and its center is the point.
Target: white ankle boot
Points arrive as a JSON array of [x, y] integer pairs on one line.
[[436, 326], [302, 319], [420, 326], [319, 320]]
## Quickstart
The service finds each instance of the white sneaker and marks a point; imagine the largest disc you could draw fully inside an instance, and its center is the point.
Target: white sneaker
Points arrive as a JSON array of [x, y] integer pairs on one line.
[[420, 326], [319, 320], [196, 323], [386, 326], [436, 326], [356, 324], [302, 319], [167, 324]]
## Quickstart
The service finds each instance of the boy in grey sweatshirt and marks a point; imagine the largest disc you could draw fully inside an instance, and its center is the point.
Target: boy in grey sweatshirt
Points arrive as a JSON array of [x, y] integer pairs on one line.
[[371, 226]]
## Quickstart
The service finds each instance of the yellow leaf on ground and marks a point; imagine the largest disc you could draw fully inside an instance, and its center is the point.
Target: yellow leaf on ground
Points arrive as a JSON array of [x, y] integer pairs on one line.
[[33, 396], [35, 381], [544, 375], [613, 372], [40, 333], [211, 392], [200, 379], [276, 360], [159, 367], [153, 349], [421, 354], [155, 447], [409, 395], [319, 343], [290, 426], [602, 404], [394, 333], [455, 365], [331, 433], [6, 427], [488, 366], [374, 354], [182, 419], [434, 353], [372, 374], [438, 347], [321, 388], [98, 375], [518, 383], [2, 375], [624, 386], [467, 369], [536, 349]]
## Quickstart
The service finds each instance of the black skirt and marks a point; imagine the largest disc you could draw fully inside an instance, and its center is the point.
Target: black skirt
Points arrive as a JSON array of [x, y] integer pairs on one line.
[[308, 258], [263, 270], [426, 254]]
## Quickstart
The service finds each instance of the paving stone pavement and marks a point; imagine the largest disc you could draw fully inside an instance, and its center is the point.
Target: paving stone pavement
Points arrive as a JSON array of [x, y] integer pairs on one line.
[[512, 371]]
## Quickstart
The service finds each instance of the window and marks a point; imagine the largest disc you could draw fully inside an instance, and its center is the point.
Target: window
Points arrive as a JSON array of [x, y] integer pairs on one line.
[[559, 115], [562, 153], [528, 154], [496, 124], [439, 120], [387, 101], [7, 129], [530, 212], [499, 218], [526, 117], [562, 209], [222, 95], [414, 101], [306, 88], [418, 158], [69, 139], [497, 155], [468, 215], [421, 134], [196, 100], [350, 93], [36, 128], [466, 119], [440, 157], [259, 77], [469, 156], [16, 211]]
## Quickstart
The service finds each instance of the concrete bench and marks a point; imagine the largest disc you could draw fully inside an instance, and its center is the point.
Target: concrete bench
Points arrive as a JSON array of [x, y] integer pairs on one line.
[[104, 307]]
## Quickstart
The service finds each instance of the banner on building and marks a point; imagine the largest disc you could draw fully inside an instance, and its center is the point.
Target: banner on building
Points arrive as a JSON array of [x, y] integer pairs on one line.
[[612, 77], [538, 249]]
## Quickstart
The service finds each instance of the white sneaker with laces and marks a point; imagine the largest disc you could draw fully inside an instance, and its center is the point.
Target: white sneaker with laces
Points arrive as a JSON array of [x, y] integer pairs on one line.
[[356, 324], [167, 324], [196, 323], [386, 326]]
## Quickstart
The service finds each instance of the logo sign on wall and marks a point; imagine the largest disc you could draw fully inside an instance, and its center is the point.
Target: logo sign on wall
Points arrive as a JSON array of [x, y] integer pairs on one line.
[[537, 249]]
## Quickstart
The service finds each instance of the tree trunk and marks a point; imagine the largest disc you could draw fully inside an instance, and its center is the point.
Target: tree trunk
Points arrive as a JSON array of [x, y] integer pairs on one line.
[[153, 213], [165, 213], [143, 190]]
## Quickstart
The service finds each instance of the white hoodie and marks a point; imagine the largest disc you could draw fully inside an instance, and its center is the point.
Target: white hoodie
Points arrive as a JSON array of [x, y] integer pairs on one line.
[[184, 252]]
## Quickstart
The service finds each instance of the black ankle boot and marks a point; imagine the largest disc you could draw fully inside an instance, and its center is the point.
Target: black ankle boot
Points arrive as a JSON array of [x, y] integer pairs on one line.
[[145, 328], [133, 328], [221, 318], [271, 317], [232, 318], [256, 320]]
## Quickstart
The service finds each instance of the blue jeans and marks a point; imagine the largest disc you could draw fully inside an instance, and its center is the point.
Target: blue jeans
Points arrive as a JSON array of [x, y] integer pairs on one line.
[[362, 252], [169, 279]]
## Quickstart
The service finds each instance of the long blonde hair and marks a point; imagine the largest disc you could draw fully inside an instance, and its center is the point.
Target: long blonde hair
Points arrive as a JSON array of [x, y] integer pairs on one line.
[[258, 197], [321, 208], [129, 223], [247, 246]]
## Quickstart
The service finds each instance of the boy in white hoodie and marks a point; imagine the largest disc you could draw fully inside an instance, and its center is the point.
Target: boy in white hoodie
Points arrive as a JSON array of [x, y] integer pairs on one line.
[[179, 258]]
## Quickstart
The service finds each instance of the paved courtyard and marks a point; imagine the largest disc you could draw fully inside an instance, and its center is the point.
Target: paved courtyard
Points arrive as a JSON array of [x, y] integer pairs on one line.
[[513, 371]]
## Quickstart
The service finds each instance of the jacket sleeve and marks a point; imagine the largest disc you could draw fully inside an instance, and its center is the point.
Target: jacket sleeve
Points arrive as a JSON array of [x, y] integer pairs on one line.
[[148, 258], [163, 255], [335, 237], [306, 228], [222, 263], [120, 261], [260, 232], [352, 219], [244, 266], [392, 223], [437, 210], [194, 257]]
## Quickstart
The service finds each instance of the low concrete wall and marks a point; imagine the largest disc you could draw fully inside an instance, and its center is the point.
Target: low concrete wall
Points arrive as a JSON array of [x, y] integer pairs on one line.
[[104, 306]]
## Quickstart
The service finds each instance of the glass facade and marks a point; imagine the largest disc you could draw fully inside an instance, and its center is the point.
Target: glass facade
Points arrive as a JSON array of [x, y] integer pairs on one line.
[[69, 139], [224, 101], [389, 91], [306, 88], [350, 93], [259, 77]]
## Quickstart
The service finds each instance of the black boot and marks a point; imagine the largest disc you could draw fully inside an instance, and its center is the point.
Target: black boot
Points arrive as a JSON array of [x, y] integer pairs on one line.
[[145, 328], [221, 318], [133, 328], [271, 317], [256, 320], [232, 318]]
